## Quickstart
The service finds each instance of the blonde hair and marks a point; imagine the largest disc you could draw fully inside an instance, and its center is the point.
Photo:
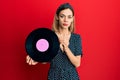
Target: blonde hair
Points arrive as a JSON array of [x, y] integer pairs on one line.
[[55, 25]]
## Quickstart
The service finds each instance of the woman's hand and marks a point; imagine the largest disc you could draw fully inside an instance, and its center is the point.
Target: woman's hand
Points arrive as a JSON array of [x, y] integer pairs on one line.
[[63, 44], [30, 61]]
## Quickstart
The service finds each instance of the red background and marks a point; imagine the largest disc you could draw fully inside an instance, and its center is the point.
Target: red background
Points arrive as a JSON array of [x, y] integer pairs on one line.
[[97, 21]]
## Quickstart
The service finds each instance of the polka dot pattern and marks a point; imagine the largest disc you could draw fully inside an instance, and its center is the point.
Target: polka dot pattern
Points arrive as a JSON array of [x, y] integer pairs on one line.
[[60, 67]]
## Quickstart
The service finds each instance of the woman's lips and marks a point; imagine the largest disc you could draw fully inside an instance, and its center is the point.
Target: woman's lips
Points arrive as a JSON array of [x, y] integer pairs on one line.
[[65, 24]]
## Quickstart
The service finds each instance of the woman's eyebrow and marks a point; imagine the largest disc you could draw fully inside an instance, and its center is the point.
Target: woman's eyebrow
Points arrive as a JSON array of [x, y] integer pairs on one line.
[[65, 15], [62, 14]]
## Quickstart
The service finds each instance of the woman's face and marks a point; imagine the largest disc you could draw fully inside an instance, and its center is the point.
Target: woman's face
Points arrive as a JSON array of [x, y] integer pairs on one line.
[[65, 18]]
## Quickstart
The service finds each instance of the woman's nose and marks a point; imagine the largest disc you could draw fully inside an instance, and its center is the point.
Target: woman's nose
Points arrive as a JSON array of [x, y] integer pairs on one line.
[[65, 19]]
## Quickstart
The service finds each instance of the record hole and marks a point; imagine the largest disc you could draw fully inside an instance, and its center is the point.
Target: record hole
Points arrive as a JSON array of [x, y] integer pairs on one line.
[[42, 45]]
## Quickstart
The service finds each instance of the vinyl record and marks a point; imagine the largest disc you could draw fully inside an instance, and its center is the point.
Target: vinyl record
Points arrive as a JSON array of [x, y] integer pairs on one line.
[[42, 45]]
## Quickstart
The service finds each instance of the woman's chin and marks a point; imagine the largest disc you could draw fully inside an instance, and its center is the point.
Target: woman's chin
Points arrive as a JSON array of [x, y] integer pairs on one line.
[[65, 27]]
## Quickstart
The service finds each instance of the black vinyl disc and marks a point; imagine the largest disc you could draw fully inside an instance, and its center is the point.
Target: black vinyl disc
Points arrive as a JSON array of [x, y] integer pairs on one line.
[[42, 45]]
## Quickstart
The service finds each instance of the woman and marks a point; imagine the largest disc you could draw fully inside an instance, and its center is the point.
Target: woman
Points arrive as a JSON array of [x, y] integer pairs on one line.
[[64, 64]]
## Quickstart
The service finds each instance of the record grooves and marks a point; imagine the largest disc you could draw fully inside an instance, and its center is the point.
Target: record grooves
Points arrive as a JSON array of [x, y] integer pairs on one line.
[[42, 45]]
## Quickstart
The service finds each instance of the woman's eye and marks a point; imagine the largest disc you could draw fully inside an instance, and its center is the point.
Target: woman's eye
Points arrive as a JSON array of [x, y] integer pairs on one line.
[[69, 17], [61, 16]]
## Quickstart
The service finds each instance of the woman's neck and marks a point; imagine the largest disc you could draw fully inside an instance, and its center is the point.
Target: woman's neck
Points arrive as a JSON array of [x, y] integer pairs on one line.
[[64, 31]]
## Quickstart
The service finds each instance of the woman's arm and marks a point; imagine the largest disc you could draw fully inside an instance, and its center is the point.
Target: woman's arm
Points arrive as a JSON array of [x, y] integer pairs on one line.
[[75, 60]]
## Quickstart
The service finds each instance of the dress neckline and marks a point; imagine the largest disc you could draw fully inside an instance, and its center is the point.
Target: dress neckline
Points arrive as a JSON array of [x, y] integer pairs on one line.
[[70, 39]]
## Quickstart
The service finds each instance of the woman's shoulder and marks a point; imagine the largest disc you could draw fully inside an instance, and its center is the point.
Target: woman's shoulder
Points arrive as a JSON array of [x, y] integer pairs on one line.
[[75, 35]]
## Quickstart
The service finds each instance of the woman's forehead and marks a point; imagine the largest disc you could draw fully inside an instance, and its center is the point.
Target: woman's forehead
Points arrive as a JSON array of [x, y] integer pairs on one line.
[[66, 12]]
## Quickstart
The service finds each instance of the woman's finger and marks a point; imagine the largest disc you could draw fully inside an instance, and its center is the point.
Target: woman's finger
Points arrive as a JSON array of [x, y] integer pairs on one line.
[[34, 62], [30, 62], [27, 59]]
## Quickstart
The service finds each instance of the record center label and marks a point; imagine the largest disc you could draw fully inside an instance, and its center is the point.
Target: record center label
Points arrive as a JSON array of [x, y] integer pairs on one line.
[[42, 45]]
